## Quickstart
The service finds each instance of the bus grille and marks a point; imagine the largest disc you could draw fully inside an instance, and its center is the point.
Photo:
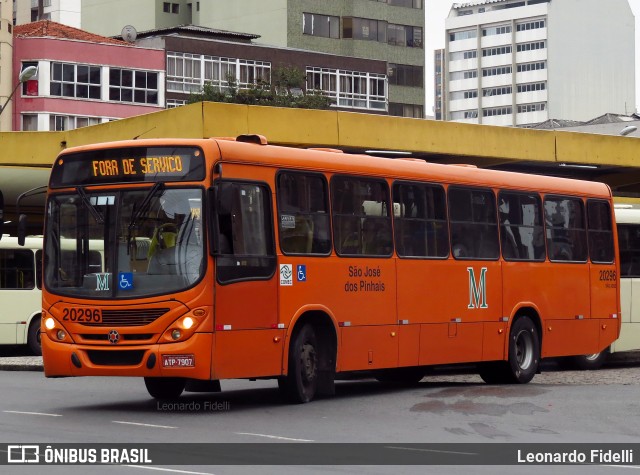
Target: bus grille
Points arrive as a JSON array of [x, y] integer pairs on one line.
[[124, 337], [128, 317], [115, 357]]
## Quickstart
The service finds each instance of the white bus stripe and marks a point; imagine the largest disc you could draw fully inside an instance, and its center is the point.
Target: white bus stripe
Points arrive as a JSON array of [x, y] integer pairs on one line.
[[168, 470], [273, 437], [144, 425], [34, 413]]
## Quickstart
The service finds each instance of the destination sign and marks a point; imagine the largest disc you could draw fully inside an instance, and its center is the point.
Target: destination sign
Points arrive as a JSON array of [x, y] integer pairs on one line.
[[128, 165]]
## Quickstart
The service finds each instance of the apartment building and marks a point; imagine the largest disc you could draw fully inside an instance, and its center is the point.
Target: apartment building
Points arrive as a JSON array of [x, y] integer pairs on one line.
[[60, 11], [7, 77], [521, 62], [83, 79], [382, 30]]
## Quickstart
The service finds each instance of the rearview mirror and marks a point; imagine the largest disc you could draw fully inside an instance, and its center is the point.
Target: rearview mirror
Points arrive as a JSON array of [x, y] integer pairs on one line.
[[22, 229], [1, 214]]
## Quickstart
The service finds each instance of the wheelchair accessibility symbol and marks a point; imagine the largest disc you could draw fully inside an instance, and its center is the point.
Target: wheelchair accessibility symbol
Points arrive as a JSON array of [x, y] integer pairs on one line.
[[301, 274], [125, 280]]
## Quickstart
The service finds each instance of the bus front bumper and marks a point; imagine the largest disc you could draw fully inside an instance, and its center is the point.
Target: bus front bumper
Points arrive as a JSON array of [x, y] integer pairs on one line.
[[187, 359]]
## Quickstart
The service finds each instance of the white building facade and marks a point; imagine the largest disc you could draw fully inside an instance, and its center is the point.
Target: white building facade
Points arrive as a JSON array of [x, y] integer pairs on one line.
[[521, 62]]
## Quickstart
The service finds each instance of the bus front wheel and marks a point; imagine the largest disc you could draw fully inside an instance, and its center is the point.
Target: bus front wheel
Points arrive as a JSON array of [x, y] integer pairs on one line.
[[165, 388], [33, 337], [300, 384]]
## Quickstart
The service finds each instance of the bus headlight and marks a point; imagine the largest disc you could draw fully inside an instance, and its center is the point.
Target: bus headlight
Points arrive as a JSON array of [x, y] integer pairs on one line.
[[61, 334], [185, 326], [49, 323]]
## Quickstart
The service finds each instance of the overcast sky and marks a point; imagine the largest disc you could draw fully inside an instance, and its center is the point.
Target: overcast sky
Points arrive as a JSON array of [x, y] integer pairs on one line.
[[437, 10]]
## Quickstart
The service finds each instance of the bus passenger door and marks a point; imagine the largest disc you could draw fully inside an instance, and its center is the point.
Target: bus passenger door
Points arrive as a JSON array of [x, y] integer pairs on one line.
[[247, 342]]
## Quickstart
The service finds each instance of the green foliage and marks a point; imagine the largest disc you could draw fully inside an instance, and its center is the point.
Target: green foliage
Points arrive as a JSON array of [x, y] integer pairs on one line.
[[285, 90]]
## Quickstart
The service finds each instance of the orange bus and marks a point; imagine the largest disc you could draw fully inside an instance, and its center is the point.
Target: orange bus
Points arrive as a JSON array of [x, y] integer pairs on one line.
[[232, 258]]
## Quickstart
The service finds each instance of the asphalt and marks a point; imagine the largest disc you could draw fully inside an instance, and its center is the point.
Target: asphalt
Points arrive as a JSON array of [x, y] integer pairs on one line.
[[34, 363]]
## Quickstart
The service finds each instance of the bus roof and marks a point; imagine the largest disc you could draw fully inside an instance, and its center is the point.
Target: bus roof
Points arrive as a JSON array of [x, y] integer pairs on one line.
[[410, 169]]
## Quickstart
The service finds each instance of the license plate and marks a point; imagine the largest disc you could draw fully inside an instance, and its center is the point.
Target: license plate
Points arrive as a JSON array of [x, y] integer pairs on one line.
[[178, 361]]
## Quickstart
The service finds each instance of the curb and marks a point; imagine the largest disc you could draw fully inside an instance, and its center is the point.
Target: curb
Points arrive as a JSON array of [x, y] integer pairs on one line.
[[21, 363]]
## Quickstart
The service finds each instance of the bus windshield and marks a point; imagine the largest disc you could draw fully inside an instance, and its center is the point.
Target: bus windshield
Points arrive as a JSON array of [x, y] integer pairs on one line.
[[125, 243]]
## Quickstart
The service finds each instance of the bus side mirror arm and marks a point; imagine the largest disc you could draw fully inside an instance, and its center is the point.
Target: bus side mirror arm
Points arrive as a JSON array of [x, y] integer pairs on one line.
[[214, 234]]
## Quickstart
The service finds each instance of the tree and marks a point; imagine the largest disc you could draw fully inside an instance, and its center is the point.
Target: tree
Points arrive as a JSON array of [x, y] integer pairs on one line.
[[285, 90]]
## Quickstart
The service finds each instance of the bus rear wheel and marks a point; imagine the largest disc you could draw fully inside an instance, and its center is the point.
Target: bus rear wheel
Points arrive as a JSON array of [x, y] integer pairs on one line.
[[300, 384], [33, 337], [589, 362], [524, 356], [165, 388]]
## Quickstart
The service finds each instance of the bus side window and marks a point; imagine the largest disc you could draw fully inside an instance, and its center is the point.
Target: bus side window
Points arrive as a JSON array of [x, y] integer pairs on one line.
[[420, 216], [521, 230], [303, 211], [601, 248], [361, 217], [474, 227], [566, 231], [17, 269]]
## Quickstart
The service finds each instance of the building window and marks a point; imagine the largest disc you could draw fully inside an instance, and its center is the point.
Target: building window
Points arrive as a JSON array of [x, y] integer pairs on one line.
[[188, 72], [406, 110], [321, 25], [496, 30], [496, 51], [29, 122], [58, 123], [523, 108], [532, 66], [459, 55], [463, 35], [457, 95], [184, 72], [30, 87], [530, 25], [75, 80], [531, 46], [469, 114], [126, 85], [496, 111], [403, 35], [469, 74], [496, 71], [350, 89], [172, 103], [364, 29], [532, 86], [404, 3], [496, 91], [406, 75]]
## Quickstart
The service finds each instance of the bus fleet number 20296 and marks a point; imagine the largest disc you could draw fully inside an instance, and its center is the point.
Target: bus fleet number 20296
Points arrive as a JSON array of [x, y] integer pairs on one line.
[[201, 260]]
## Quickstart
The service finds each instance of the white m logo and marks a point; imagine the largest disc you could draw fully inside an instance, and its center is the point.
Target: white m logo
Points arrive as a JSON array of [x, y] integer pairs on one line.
[[102, 282], [478, 292]]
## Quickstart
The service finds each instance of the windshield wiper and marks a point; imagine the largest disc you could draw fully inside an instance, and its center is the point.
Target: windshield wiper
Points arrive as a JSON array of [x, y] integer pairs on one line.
[[146, 203], [92, 209]]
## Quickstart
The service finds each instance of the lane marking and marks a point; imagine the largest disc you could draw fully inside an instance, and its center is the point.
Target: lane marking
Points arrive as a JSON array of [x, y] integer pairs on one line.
[[144, 425], [168, 470], [428, 450], [273, 437], [34, 413]]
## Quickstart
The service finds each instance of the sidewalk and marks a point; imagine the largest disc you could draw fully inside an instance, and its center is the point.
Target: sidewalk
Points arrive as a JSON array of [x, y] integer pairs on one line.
[[34, 363], [21, 363]]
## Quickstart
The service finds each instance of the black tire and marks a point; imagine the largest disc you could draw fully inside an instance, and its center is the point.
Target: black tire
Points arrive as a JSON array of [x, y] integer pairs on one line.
[[524, 356], [301, 382], [33, 337], [494, 372], [589, 362], [403, 376], [165, 388]]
